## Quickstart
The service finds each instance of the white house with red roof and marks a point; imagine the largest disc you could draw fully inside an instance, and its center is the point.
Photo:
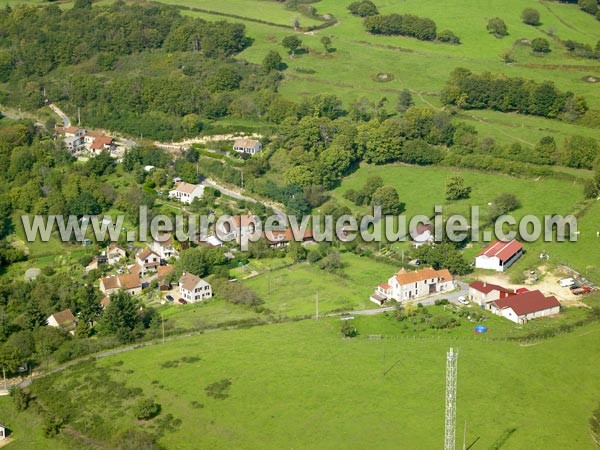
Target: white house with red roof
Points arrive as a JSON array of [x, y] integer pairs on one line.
[[406, 286], [523, 307], [186, 192], [164, 247], [484, 293], [248, 146], [147, 260], [499, 255], [193, 288]]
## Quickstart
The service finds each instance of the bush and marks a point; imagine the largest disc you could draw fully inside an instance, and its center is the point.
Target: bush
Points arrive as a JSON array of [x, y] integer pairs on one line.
[[363, 8], [530, 16], [497, 27], [401, 25], [52, 425], [348, 329], [540, 45], [20, 398], [448, 36], [146, 409]]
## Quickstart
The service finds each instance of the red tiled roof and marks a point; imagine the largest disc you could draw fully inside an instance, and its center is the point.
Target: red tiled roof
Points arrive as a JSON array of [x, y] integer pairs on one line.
[[502, 250], [527, 302], [145, 253], [384, 286], [110, 283], [286, 235], [130, 281], [486, 288], [105, 302], [64, 317], [405, 277], [163, 271]]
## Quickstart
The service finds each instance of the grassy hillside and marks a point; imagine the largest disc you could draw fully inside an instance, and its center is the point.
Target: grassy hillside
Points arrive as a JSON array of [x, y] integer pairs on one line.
[[301, 385], [424, 67], [421, 188]]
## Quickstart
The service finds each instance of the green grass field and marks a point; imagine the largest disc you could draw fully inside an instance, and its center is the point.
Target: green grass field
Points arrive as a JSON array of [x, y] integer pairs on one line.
[[424, 67], [421, 188], [301, 385], [293, 291]]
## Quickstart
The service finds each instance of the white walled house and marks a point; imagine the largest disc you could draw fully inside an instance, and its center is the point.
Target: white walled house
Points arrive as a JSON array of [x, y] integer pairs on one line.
[[186, 192], [484, 293], [63, 319], [147, 260], [523, 307], [2, 432], [499, 255], [130, 283], [114, 254], [247, 146], [163, 247], [406, 286], [193, 288]]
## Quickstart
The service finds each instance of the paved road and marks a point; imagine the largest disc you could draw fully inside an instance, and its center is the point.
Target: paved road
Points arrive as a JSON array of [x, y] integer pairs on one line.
[[237, 195], [15, 117], [65, 119]]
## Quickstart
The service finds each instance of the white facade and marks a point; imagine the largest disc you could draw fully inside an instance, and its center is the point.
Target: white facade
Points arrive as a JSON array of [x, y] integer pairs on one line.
[[499, 255], [406, 286], [194, 289], [2, 432], [510, 314], [248, 146], [164, 248], [186, 192]]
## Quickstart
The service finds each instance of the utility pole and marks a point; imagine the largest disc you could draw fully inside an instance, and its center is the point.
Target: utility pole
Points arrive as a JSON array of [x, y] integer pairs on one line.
[[465, 436], [163, 326], [269, 281], [451, 379]]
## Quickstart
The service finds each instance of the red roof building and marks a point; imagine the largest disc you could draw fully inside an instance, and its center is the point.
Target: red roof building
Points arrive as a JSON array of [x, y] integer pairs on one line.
[[523, 307], [499, 255]]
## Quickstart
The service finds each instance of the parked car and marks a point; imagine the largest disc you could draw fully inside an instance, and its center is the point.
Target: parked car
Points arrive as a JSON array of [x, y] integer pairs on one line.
[[566, 282], [170, 298], [575, 286], [582, 290], [182, 301], [463, 300]]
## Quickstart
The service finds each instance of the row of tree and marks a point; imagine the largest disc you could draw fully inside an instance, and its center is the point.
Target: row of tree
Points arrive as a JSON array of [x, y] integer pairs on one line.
[[469, 90]]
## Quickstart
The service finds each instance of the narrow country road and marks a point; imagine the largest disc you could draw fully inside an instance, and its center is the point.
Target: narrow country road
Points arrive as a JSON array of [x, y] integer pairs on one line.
[[65, 119], [231, 193]]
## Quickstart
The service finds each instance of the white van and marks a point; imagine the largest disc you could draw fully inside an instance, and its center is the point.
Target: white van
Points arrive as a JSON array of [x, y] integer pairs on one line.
[[566, 282]]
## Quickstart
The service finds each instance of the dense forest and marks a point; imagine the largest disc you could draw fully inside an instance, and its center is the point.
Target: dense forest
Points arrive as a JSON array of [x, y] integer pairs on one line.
[[136, 69]]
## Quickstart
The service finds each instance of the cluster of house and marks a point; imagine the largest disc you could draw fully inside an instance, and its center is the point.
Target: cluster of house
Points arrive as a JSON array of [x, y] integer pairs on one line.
[[77, 140], [407, 286], [519, 306]]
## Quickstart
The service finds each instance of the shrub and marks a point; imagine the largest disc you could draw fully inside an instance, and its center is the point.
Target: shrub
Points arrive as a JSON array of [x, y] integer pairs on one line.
[[448, 36], [20, 398], [349, 330], [146, 409], [363, 8], [540, 45], [530, 16], [403, 25], [497, 27]]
